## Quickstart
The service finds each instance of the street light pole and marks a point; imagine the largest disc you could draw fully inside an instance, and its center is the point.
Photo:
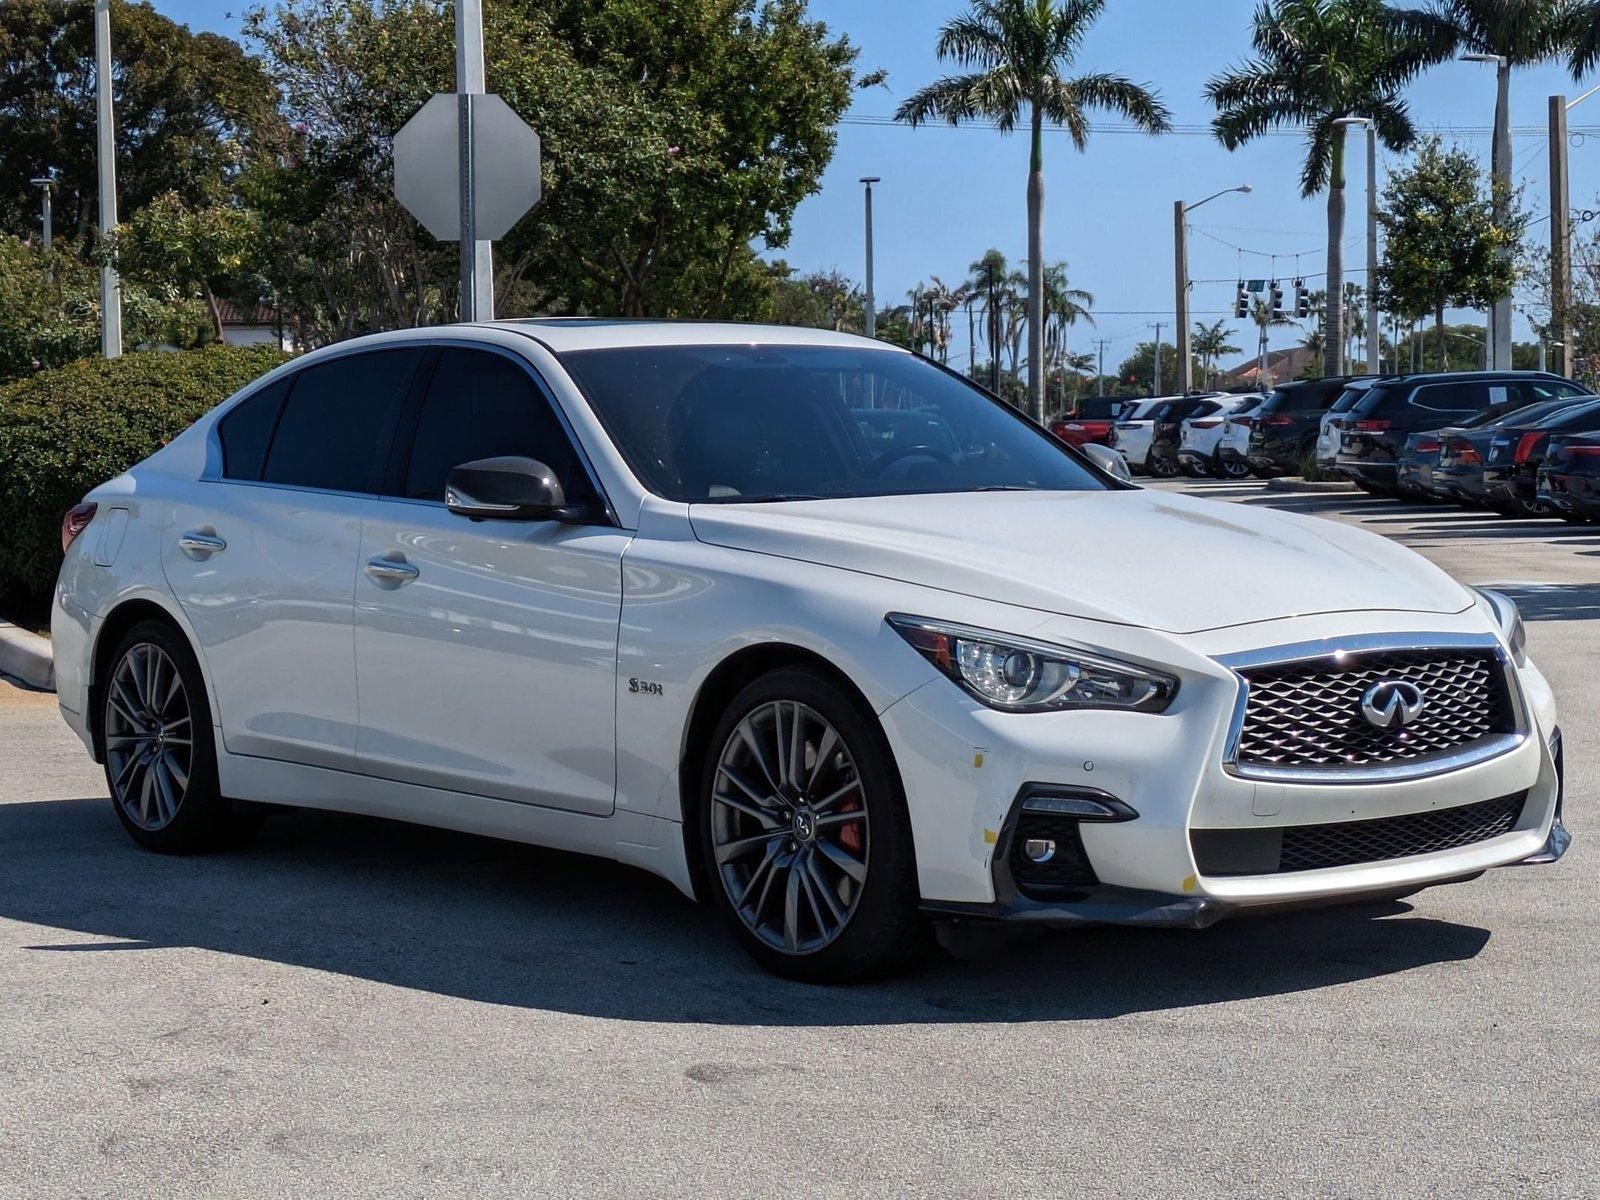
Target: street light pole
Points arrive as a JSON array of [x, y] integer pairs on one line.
[[1372, 239], [1155, 390], [1560, 236], [1180, 241], [44, 183], [106, 158], [1499, 345], [477, 257], [872, 304]]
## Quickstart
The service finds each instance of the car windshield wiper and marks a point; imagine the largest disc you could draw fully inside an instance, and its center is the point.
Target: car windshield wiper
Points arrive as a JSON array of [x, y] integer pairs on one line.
[[774, 498], [1005, 487]]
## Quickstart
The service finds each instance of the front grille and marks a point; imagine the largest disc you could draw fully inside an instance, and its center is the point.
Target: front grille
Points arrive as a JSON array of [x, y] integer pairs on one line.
[[1069, 868], [1308, 714], [1275, 850]]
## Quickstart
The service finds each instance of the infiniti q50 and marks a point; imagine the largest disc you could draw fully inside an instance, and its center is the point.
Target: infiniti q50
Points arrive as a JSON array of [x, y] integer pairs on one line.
[[808, 625]]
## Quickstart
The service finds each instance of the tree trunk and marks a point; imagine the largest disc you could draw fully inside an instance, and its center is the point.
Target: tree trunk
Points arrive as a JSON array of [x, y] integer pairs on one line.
[[1333, 308], [215, 310], [1438, 337], [1036, 366]]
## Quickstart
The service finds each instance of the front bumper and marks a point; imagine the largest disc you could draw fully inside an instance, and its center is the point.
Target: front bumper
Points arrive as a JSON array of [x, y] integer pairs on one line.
[[1170, 769]]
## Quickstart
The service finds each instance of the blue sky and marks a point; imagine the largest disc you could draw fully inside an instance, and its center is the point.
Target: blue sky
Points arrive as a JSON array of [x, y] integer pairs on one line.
[[949, 194]]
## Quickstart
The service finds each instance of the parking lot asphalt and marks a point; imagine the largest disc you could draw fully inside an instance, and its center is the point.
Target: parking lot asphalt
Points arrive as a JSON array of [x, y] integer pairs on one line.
[[356, 1008]]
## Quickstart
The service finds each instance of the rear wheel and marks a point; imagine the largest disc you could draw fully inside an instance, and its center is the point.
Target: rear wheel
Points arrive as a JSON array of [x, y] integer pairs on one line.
[[160, 759], [1161, 468], [805, 834], [1230, 468]]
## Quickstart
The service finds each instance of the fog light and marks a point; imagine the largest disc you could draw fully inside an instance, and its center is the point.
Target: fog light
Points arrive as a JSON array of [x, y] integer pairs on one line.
[[1039, 850]]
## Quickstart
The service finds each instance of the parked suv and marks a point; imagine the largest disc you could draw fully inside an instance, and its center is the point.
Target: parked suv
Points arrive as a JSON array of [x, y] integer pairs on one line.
[[1376, 428], [1333, 420], [1166, 430], [1200, 438], [1285, 431]]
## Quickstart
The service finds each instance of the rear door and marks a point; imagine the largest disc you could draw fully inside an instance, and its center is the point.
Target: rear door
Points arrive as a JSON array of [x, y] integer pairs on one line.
[[486, 651], [263, 559]]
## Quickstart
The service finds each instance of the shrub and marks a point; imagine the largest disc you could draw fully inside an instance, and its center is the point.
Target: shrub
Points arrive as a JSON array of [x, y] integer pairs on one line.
[[66, 430]]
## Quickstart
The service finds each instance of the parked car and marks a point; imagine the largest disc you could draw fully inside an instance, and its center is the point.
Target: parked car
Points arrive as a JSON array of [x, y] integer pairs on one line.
[[1285, 432], [1166, 430], [1464, 449], [1511, 469], [1090, 421], [1376, 427], [1132, 434], [646, 591], [1200, 436], [1328, 429], [1233, 445], [1415, 465], [1569, 477]]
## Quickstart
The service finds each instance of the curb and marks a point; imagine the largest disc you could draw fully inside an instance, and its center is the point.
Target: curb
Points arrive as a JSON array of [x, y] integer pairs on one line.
[[27, 657], [1293, 484]]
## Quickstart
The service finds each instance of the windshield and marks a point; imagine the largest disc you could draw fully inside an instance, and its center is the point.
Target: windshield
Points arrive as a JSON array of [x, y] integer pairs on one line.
[[1097, 408], [747, 423]]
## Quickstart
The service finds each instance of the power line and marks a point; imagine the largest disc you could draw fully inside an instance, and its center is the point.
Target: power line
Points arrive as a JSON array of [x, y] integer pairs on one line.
[[1203, 130]]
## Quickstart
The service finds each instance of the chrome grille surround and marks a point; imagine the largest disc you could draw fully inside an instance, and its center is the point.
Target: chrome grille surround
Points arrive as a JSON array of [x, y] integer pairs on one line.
[[1304, 725]]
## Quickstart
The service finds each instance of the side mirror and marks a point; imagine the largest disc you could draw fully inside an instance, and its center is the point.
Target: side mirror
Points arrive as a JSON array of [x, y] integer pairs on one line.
[[506, 489], [1108, 460]]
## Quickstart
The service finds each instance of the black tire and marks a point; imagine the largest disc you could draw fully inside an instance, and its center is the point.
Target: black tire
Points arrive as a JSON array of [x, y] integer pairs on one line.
[[1161, 468], [885, 930], [1230, 468], [203, 819]]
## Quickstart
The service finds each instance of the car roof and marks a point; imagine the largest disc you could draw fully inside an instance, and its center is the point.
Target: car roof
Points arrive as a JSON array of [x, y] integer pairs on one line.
[[562, 334]]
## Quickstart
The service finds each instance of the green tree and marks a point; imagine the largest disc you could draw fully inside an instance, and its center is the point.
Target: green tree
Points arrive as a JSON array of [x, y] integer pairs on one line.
[[1209, 343], [50, 310], [1016, 54], [818, 300], [1445, 246], [1137, 372], [206, 252], [191, 107], [1064, 307], [1316, 63]]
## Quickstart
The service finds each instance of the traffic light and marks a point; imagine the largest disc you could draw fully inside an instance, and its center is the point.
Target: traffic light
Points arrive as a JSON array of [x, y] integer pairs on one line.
[[1302, 300], [1277, 299], [1241, 301]]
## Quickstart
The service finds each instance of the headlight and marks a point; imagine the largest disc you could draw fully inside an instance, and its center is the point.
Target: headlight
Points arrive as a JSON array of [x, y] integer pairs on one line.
[[1017, 675], [1510, 622]]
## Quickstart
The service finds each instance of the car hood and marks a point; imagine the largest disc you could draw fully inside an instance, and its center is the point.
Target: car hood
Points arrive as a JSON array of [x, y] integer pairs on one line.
[[1136, 557]]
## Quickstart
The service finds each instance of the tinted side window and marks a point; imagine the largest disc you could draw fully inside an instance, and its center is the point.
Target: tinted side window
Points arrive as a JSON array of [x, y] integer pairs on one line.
[[247, 429], [1449, 397], [339, 420], [483, 405]]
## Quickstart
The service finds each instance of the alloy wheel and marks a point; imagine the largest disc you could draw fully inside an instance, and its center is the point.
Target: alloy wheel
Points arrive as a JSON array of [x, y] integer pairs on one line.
[[789, 827], [149, 736], [1232, 468]]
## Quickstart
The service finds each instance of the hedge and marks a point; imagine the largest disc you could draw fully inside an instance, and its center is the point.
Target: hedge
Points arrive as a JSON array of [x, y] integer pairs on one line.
[[66, 430]]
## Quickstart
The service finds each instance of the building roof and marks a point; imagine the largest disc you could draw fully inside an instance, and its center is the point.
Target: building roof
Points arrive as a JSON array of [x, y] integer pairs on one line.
[[1282, 366]]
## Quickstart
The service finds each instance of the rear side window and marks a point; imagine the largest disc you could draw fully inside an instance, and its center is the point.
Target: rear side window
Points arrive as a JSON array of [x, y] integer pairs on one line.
[[1450, 397], [246, 431], [339, 420], [483, 405]]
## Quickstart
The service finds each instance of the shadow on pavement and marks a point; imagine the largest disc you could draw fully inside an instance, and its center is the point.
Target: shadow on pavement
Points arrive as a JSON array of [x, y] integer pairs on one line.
[[1555, 601], [506, 924]]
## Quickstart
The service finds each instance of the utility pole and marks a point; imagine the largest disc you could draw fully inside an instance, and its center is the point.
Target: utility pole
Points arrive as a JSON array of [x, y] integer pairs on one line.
[[1497, 349], [1100, 371], [477, 257], [1180, 234], [872, 304], [44, 183], [1560, 331], [1155, 377], [1374, 331], [106, 158]]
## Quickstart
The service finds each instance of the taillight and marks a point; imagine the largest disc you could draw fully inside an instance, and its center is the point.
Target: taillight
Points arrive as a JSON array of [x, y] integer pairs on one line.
[[1280, 420], [1205, 424], [1371, 425], [1526, 445], [75, 522], [1247, 422], [1468, 455], [1429, 447], [1583, 451]]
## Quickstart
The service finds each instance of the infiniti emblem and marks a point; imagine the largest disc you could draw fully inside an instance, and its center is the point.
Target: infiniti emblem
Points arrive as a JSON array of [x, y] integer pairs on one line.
[[1392, 704]]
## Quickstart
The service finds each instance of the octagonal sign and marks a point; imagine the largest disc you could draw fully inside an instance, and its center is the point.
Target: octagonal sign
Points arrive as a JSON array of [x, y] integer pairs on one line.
[[427, 166]]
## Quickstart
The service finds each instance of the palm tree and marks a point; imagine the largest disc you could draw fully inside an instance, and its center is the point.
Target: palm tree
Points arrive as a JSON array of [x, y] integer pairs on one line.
[[988, 283], [1316, 63], [1265, 318], [943, 300], [1016, 53], [1064, 306], [1211, 342]]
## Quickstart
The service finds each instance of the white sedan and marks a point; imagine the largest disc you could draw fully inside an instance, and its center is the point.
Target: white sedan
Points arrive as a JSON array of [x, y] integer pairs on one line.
[[684, 596]]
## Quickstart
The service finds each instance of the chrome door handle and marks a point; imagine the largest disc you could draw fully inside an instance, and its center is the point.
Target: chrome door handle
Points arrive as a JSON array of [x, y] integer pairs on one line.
[[389, 570], [198, 542]]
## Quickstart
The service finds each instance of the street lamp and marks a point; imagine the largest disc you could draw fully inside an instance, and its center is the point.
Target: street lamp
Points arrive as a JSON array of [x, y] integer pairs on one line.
[[1372, 236], [872, 304], [1500, 169], [1180, 231], [44, 183]]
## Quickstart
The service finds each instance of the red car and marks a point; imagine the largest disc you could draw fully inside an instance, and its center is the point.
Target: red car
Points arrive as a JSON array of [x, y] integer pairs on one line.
[[1094, 422]]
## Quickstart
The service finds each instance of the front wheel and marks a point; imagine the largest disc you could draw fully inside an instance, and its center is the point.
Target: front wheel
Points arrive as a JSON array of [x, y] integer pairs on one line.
[[805, 834], [1161, 468]]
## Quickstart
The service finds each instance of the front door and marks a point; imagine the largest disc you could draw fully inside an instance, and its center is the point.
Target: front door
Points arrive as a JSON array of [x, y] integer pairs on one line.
[[486, 651]]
